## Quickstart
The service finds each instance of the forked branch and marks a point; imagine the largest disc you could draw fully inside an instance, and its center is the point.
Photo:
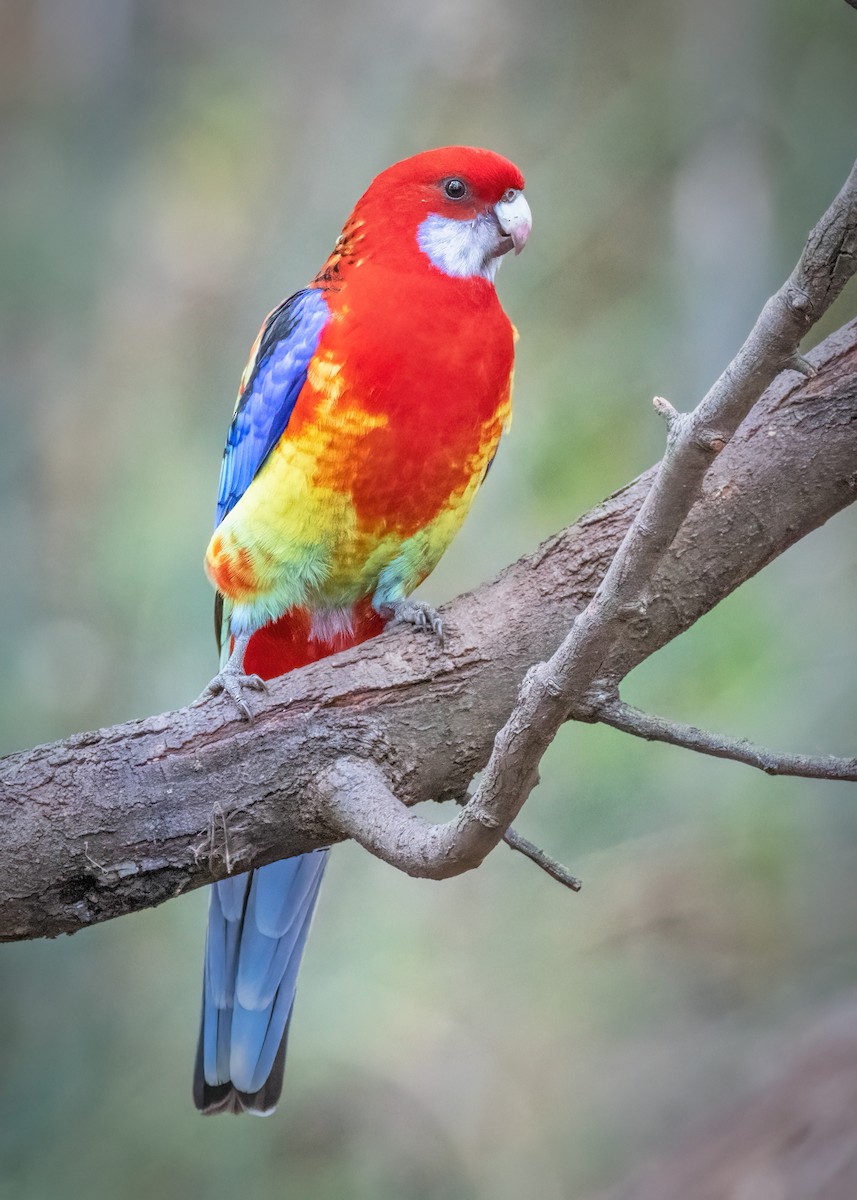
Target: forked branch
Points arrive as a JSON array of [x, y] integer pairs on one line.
[[655, 729]]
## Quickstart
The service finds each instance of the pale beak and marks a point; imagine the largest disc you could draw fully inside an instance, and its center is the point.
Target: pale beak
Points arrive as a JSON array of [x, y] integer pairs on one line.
[[515, 221]]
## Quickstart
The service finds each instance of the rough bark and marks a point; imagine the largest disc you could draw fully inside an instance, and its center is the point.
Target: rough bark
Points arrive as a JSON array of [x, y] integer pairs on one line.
[[121, 819]]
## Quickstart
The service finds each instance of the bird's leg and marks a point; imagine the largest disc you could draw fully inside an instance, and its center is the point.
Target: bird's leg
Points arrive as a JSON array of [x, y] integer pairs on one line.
[[416, 613], [231, 679]]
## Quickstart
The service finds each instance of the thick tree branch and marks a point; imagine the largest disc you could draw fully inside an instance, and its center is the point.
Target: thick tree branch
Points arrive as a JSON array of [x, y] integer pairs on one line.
[[120, 819], [655, 729]]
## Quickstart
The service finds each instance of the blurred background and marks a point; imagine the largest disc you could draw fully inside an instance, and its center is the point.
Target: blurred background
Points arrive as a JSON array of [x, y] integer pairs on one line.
[[169, 169]]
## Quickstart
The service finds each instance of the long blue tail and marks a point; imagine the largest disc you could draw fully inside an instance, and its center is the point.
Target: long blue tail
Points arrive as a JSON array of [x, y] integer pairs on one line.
[[257, 929]]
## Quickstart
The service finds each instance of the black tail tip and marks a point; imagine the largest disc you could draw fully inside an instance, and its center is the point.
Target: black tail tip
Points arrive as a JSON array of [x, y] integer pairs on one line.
[[211, 1099], [224, 1098]]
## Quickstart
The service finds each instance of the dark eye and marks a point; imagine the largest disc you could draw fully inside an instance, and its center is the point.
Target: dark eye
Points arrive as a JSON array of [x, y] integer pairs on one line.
[[456, 189]]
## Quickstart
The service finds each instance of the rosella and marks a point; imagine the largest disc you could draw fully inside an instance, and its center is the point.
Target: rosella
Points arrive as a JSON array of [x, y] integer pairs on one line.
[[367, 417]]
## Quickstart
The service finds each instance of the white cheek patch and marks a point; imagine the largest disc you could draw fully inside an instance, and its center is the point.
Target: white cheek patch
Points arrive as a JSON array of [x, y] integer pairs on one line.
[[460, 248]]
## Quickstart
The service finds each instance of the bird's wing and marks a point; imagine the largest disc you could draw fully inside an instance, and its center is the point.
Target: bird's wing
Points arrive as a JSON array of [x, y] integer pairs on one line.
[[272, 381], [270, 386]]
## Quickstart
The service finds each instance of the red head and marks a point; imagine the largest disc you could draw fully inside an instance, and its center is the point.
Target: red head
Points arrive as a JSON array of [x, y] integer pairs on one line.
[[458, 209]]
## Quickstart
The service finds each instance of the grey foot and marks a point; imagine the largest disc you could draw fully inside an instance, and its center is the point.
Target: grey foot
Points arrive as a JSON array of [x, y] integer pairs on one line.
[[419, 614], [233, 683], [231, 680]]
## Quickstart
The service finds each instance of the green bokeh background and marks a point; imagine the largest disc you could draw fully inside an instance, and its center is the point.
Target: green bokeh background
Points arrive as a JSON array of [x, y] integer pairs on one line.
[[169, 169]]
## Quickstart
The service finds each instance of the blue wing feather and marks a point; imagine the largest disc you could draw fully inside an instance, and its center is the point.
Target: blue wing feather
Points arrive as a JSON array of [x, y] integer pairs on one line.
[[275, 378]]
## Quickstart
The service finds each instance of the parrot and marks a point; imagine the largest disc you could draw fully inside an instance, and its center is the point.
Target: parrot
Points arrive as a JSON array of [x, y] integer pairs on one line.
[[368, 415]]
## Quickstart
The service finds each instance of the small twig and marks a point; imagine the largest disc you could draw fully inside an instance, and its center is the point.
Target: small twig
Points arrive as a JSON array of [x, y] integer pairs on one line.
[[655, 729], [664, 409], [531, 851]]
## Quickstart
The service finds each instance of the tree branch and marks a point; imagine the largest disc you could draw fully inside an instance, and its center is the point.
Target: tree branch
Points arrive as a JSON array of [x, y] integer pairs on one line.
[[655, 729], [530, 850], [121, 819], [357, 801]]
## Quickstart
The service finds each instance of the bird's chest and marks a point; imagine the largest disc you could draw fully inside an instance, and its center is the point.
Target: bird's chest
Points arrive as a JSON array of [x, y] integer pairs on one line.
[[409, 401]]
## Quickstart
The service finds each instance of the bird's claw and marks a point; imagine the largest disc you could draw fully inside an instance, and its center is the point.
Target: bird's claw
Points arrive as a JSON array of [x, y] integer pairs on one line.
[[232, 684], [420, 615]]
